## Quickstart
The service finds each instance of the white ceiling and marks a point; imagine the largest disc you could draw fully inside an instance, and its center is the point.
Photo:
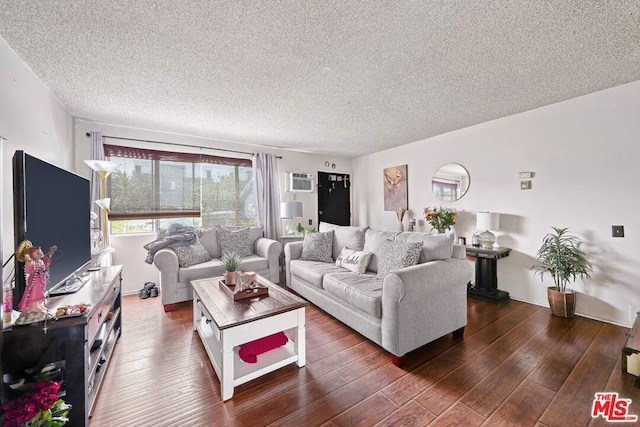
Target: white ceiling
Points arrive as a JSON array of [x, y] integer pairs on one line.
[[333, 76]]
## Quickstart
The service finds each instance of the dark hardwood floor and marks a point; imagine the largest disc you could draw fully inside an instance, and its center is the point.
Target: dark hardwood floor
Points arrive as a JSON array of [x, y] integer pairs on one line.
[[516, 365]]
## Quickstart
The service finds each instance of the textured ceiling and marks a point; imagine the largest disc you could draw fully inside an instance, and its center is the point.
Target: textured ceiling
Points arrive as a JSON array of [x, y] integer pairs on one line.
[[344, 77]]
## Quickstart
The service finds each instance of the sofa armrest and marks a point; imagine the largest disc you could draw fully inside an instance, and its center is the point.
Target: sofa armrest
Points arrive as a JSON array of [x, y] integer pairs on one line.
[[271, 250], [423, 303], [166, 261], [292, 250]]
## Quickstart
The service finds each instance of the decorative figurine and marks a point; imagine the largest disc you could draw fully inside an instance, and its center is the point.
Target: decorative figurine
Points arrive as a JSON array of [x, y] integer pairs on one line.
[[36, 272]]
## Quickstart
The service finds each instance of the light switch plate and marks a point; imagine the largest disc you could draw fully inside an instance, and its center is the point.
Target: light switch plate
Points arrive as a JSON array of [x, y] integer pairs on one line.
[[617, 230], [525, 175]]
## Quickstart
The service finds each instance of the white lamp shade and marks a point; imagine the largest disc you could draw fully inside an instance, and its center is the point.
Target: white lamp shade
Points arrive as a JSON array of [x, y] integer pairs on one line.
[[102, 166], [488, 221], [104, 203], [291, 210]]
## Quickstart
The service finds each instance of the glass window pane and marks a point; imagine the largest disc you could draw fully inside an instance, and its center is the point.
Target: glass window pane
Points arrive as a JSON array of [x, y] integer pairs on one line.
[[224, 194]]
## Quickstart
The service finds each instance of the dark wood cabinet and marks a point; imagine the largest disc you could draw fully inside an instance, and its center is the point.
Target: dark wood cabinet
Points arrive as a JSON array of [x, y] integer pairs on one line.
[[82, 346]]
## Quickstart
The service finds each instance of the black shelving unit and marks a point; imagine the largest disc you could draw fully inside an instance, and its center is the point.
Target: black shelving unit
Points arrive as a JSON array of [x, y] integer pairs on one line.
[[67, 342]]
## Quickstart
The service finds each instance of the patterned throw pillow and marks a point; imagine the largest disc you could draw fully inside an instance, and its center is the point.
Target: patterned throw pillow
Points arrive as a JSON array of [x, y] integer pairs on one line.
[[191, 255], [394, 256], [356, 261], [317, 246], [434, 246], [236, 241]]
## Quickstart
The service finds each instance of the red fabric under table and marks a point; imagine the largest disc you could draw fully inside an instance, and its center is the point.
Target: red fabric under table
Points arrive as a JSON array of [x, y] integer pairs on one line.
[[249, 351]]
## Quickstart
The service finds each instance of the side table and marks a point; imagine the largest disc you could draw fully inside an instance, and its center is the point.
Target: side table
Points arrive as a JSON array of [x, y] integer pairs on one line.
[[288, 238], [486, 286]]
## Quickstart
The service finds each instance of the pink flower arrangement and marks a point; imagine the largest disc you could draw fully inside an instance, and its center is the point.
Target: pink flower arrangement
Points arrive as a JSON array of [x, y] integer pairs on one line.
[[40, 407]]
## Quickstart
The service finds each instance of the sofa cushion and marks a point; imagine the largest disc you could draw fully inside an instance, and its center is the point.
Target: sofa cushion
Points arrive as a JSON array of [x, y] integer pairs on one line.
[[434, 246], [371, 241], [191, 255], [394, 256], [212, 268], [312, 272], [236, 241], [346, 236], [361, 291], [253, 263], [318, 246], [209, 240], [356, 261]]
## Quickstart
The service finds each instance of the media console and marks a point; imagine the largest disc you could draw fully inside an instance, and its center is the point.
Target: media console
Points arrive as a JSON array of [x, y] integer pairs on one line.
[[81, 345]]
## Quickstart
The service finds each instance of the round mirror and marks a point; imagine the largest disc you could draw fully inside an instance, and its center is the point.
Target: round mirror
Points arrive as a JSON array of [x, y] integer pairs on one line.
[[450, 182]]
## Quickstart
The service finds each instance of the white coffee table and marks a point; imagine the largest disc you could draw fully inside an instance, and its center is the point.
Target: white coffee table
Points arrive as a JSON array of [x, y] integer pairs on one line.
[[223, 324]]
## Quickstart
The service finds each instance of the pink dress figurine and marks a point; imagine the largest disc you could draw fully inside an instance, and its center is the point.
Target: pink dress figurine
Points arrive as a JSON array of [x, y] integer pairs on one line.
[[36, 271]]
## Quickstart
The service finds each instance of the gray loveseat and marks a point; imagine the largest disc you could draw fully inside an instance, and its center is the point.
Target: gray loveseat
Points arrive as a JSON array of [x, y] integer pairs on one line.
[[401, 311], [176, 275]]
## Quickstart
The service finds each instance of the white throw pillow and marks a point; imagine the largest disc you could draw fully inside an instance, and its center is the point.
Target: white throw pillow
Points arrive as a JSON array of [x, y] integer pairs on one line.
[[356, 261]]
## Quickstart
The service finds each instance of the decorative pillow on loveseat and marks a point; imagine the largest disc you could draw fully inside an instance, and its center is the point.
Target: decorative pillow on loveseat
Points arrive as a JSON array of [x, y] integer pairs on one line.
[[356, 261], [191, 255], [236, 241], [396, 255], [317, 246]]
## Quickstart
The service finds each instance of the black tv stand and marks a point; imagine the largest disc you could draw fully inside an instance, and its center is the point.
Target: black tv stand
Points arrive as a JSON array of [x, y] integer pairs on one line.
[[70, 342]]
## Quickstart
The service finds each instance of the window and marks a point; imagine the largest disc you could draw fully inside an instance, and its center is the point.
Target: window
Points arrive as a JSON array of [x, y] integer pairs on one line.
[[152, 189], [446, 190]]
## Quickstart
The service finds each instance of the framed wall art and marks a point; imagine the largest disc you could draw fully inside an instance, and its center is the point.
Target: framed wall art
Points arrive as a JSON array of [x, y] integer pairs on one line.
[[395, 188]]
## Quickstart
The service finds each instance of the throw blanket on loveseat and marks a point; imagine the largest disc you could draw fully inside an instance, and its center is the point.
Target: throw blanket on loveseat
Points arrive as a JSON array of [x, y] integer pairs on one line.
[[174, 236]]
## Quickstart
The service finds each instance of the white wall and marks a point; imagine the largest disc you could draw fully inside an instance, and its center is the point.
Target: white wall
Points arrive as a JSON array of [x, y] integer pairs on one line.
[[585, 153], [33, 120], [129, 248]]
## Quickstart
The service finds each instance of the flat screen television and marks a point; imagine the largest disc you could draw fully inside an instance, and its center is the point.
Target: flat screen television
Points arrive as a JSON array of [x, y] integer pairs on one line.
[[51, 207]]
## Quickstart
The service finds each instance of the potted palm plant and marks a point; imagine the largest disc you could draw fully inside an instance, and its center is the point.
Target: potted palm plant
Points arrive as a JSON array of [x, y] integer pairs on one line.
[[230, 261], [562, 257]]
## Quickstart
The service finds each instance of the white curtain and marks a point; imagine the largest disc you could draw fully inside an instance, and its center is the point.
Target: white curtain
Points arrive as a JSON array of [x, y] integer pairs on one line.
[[265, 172], [96, 153]]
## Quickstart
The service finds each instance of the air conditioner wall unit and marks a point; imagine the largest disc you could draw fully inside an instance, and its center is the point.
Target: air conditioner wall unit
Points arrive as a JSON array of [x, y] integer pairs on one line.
[[300, 182]]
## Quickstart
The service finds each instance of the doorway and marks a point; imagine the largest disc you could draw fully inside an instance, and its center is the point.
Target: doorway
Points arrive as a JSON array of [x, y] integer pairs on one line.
[[334, 198]]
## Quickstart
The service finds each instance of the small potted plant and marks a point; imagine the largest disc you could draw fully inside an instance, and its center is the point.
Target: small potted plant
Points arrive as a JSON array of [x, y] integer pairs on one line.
[[562, 257], [231, 261]]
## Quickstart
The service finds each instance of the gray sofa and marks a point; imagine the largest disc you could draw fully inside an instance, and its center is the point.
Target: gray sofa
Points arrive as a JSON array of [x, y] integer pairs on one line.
[[176, 275], [401, 311]]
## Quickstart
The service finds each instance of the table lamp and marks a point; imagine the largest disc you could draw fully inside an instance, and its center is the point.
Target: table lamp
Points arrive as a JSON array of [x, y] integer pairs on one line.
[[289, 210], [486, 221]]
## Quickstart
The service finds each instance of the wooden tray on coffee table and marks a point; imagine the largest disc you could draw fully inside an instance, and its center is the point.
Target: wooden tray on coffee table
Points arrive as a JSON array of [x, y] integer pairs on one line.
[[256, 290]]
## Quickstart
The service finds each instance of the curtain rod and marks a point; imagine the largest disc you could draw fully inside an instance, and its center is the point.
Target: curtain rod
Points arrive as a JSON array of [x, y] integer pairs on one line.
[[175, 143]]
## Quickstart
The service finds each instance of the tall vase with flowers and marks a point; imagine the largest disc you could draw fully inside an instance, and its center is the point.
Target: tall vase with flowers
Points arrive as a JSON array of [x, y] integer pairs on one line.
[[38, 406], [440, 218]]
